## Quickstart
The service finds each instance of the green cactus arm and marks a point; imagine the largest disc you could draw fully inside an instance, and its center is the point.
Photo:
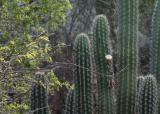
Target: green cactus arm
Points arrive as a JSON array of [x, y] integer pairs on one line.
[[127, 39], [155, 49], [82, 72], [155, 45], [104, 70]]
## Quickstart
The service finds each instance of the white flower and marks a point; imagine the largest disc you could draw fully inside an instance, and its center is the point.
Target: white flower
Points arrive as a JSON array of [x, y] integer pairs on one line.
[[108, 57]]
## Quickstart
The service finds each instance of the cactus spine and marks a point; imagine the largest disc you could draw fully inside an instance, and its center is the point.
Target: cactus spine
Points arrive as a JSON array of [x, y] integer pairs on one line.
[[100, 40], [39, 95], [69, 104], [82, 72], [148, 101], [127, 33]]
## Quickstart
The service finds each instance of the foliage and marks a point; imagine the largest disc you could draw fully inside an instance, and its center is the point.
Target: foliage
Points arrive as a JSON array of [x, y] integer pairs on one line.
[[24, 45], [15, 108]]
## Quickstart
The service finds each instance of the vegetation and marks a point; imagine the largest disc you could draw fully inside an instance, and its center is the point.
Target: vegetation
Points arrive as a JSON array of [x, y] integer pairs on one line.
[[25, 26], [32, 48]]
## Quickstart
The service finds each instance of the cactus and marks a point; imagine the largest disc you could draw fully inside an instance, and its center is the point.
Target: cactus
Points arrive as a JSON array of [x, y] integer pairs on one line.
[[139, 88], [127, 33], [155, 49], [156, 42], [69, 103], [155, 62], [155, 68], [82, 59], [104, 70], [148, 101], [39, 95]]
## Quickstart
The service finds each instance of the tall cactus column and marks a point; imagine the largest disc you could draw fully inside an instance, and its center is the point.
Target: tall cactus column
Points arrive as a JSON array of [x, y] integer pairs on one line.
[[39, 95], [155, 50], [104, 74], [127, 37], [82, 59]]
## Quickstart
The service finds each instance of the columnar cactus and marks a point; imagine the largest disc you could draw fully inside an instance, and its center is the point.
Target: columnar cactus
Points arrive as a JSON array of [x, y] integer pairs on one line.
[[155, 49], [69, 103], [155, 52], [39, 95], [149, 94], [103, 67], [127, 39], [139, 88], [82, 59]]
